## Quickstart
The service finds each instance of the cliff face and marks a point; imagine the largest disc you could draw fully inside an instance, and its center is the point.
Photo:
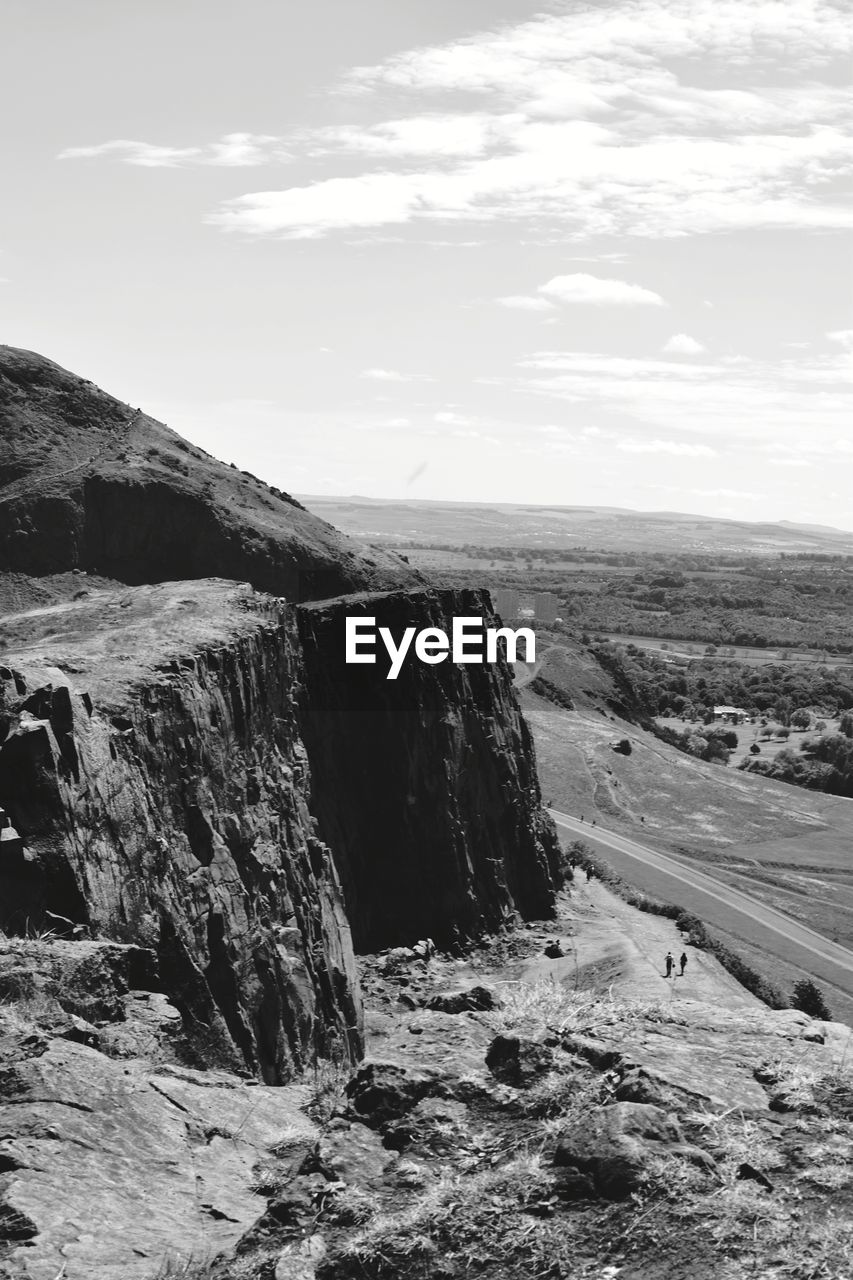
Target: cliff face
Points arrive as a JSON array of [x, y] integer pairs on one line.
[[163, 800], [193, 768], [424, 786], [87, 482]]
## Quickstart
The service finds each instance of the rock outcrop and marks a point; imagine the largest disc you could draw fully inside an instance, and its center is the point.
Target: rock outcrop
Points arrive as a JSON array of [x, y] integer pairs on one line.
[[190, 767], [151, 762], [87, 482], [117, 1168], [424, 786], [615, 1145]]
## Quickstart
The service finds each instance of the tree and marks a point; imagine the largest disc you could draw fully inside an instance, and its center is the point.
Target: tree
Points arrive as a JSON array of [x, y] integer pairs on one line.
[[808, 998], [801, 718], [755, 749], [846, 725]]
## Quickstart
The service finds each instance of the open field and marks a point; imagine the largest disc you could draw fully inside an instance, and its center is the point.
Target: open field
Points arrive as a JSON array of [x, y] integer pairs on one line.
[[741, 653]]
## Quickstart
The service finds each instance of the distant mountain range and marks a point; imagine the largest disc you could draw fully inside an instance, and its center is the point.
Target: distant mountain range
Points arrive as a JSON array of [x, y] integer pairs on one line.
[[398, 522]]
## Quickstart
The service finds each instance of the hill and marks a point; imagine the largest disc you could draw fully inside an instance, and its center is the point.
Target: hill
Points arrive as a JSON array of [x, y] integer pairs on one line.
[[501, 524], [88, 483]]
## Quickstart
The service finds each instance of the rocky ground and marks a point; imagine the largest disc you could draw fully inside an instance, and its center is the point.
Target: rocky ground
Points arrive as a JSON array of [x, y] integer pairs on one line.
[[548, 1105]]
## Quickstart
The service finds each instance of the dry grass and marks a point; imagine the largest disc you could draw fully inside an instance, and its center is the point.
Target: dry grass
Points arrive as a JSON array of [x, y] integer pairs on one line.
[[327, 1083], [537, 1009], [500, 1219]]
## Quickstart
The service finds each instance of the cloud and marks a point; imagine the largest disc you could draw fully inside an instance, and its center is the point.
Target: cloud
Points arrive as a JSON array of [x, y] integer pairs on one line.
[[751, 403], [598, 120], [599, 291], [727, 493], [844, 338], [449, 419], [415, 136], [523, 303], [373, 200], [234, 150], [681, 344], [392, 375], [679, 448]]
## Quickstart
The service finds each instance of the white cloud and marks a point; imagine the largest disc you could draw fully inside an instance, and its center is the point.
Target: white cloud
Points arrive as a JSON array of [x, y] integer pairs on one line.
[[427, 135], [392, 375], [726, 493], [678, 448], [681, 344], [600, 291], [234, 150], [844, 338], [604, 120], [450, 419], [522, 303], [748, 403], [373, 200]]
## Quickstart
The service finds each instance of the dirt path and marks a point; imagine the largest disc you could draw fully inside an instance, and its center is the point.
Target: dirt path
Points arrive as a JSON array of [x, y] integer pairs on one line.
[[611, 945]]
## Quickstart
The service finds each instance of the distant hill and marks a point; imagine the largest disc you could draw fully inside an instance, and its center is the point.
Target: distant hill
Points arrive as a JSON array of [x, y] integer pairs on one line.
[[88, 483], [399, 522]]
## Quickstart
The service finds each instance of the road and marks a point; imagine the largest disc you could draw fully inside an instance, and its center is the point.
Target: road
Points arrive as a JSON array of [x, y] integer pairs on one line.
[[718, 903]]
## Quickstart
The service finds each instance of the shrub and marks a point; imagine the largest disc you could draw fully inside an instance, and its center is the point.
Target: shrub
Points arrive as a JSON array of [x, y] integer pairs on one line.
[[808, 998]]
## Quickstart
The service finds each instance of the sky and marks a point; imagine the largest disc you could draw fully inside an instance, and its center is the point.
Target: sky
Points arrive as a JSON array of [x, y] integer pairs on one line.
[[485, 250]]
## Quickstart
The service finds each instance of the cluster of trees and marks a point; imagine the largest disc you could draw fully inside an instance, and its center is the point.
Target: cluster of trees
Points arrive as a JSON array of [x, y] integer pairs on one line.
[[792, 694], [718, 600], [713, 744], [824, 763]]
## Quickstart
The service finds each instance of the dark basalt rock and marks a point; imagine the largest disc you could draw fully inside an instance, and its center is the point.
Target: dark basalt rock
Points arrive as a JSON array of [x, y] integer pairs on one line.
[[380, 1092], [613, 1146], [425, 786], [472, 1000], [518, 1062], [191, 835]]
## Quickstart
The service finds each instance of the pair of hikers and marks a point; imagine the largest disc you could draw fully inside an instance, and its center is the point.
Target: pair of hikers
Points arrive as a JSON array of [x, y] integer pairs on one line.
[[670, 963]]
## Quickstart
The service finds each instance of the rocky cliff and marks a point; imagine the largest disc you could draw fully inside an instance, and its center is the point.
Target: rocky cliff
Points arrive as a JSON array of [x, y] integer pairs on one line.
[[192, 768], [157, 788], [424, 786], [87, 482]]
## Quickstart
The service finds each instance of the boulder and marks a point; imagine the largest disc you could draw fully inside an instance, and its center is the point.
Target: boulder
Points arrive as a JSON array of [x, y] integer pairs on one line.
[[474, 999], [614, 1146], [381, 1091], [518, 1062]]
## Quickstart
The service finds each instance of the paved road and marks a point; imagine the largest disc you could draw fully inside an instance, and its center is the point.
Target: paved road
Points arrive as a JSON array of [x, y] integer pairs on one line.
[[718, 903]]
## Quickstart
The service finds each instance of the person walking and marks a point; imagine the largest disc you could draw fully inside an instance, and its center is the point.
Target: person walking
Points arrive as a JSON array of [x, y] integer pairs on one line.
[[669, 963], [683, 962]]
